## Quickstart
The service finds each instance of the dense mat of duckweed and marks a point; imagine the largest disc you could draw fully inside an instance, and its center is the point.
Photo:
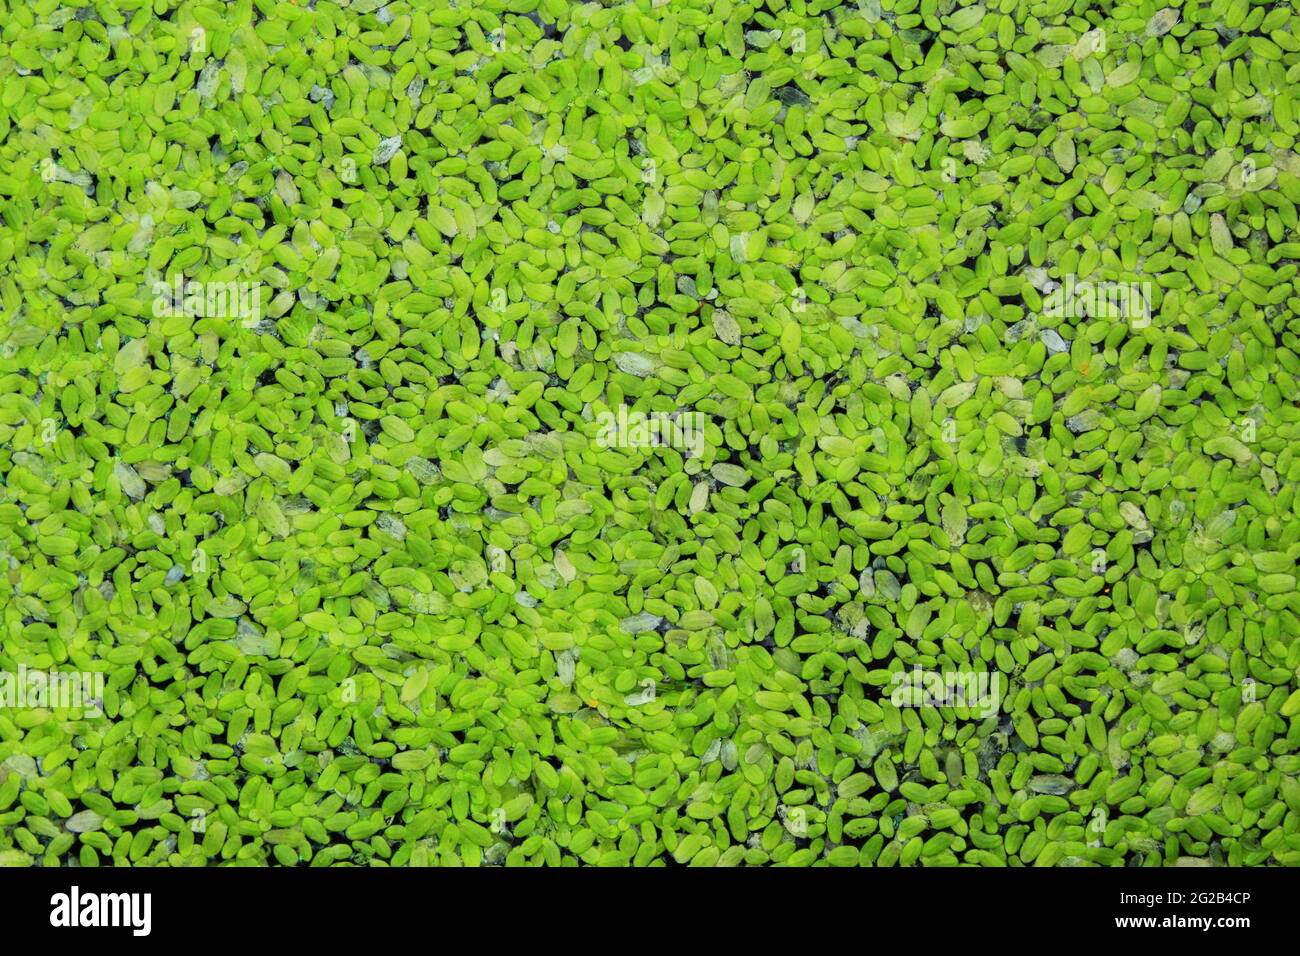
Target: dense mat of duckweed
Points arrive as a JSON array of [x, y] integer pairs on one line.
[[660, 432]]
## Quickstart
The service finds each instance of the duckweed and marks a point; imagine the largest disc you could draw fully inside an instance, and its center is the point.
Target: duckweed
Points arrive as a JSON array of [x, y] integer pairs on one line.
[[332, 531]]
